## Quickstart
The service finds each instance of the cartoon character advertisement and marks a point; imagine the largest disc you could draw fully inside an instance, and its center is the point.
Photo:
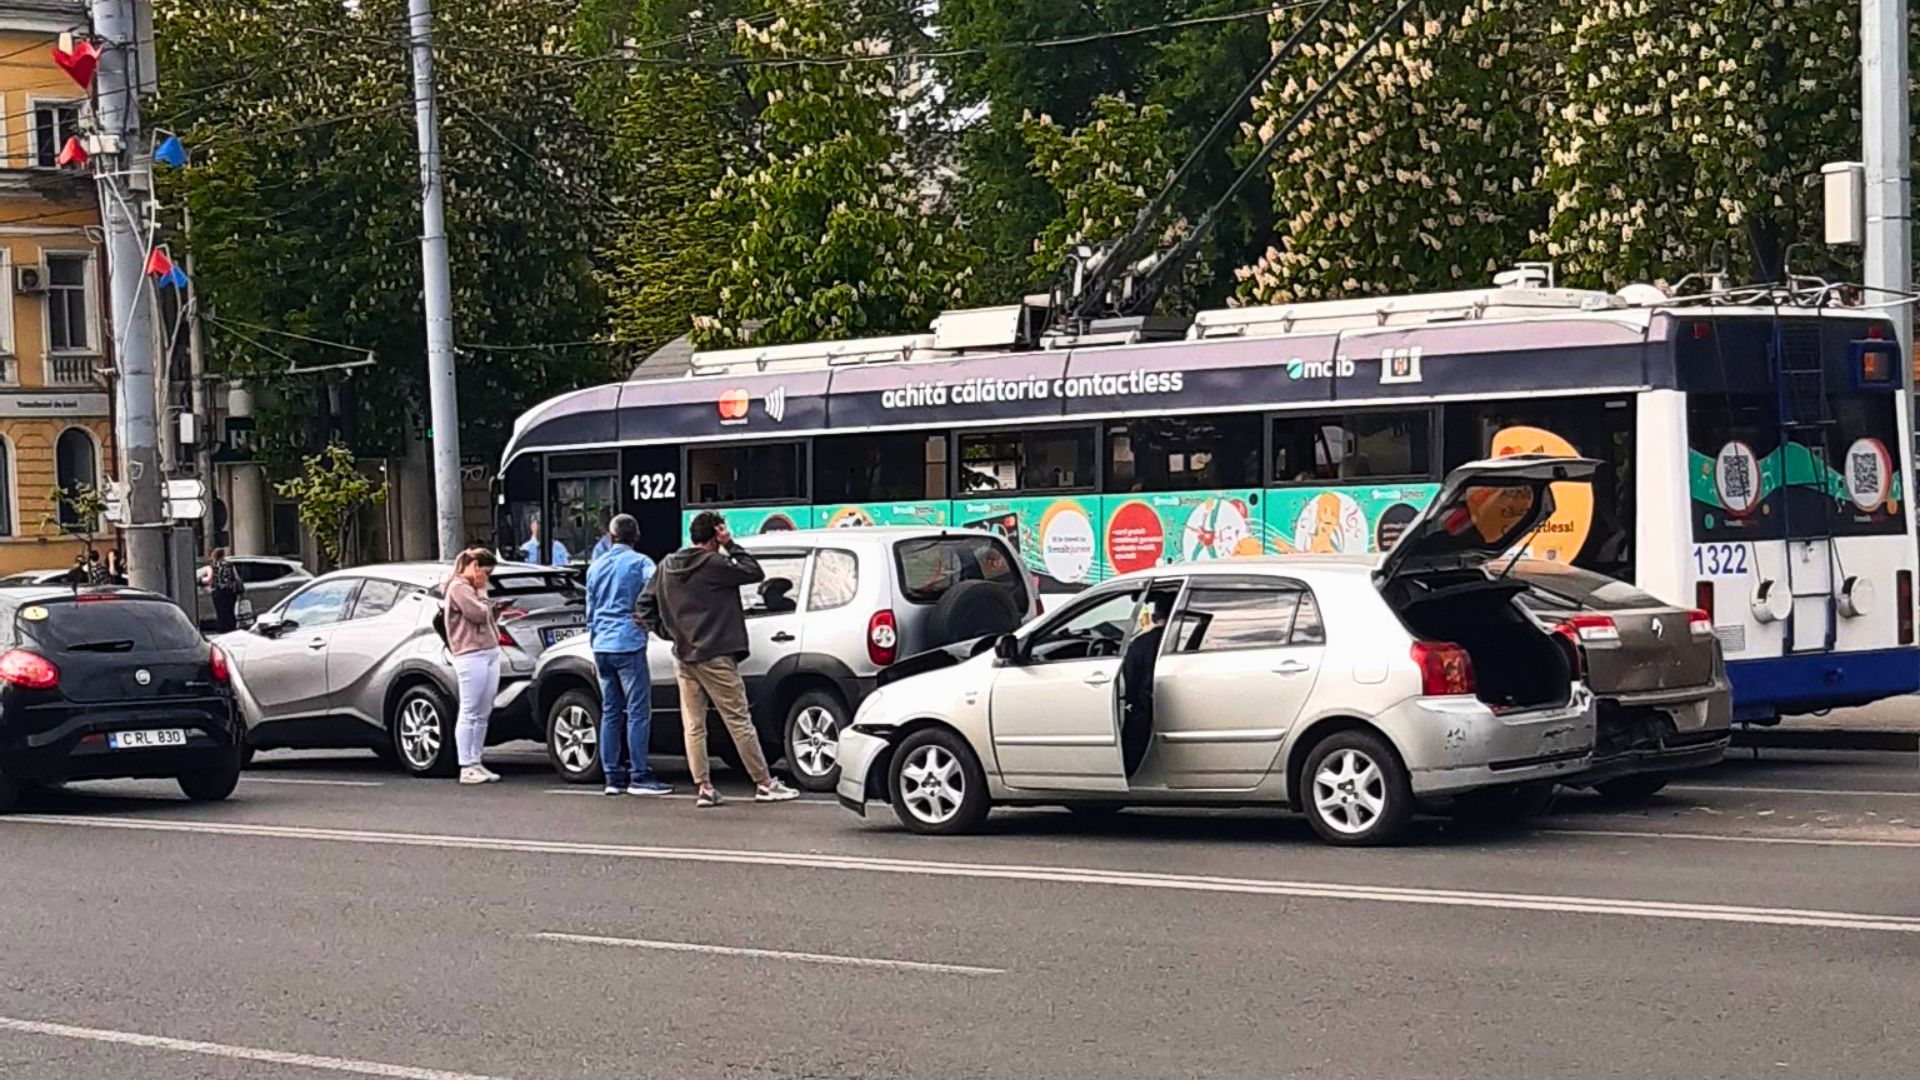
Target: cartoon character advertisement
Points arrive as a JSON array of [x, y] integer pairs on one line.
[[751, 521], [863, 515], [1343, 521]]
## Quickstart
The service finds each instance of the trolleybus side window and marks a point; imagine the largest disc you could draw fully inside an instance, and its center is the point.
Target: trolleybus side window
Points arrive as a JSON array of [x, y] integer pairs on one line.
[[904, 466], [759, 473], [1042, 459], [1357, 446], [1184, 453]]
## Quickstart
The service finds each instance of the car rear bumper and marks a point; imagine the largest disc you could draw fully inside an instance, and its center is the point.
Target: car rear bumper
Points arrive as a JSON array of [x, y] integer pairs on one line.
[[78, 748], [1651, 733], [1454, 745]]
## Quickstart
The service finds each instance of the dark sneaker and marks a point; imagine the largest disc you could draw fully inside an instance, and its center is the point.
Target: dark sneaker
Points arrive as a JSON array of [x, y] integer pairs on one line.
[[774, 791], [649, 786], [707, 798]]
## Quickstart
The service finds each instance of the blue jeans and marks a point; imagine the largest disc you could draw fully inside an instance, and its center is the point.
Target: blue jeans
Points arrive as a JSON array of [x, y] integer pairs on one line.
[[626, 716]]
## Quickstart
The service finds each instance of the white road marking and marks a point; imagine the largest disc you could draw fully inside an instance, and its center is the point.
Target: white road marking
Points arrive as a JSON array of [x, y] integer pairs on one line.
[[237, 1053], [1059, 875], [769, 954], [315, 783], [1795, 791], [683, 797], [1732, 838]]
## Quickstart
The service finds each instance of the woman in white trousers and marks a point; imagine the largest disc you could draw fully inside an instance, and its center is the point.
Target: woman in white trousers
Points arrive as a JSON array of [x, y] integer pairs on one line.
[[473, 637]]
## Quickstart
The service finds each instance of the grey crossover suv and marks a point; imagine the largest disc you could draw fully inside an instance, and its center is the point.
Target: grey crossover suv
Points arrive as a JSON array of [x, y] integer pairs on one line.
[[837, 606], [352, 659]]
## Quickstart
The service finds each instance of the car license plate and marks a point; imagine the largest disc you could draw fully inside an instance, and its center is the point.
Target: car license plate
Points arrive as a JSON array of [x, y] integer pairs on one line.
[[556, 635], [146, 740]]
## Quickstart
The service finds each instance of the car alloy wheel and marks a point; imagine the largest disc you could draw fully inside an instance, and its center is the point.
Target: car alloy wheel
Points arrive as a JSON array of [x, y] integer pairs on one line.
[[576, 738], [1350, 790], [932, 784], [420, 734], [816, 741]]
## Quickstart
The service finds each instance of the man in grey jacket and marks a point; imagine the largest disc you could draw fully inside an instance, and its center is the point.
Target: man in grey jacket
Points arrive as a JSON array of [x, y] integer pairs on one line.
[[694, 602]]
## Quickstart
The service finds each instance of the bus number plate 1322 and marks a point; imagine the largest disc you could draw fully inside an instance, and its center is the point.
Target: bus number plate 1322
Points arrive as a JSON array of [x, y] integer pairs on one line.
[[1720, 560]]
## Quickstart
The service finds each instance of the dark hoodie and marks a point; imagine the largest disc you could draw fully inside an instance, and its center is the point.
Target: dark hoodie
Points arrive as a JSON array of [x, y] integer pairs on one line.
[[694, 602]]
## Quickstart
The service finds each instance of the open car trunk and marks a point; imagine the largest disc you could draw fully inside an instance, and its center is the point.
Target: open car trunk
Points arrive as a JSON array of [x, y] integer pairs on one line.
[[1516, 664]]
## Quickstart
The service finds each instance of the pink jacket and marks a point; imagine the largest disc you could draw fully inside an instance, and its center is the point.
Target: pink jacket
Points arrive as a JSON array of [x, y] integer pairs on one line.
[[469, 615]]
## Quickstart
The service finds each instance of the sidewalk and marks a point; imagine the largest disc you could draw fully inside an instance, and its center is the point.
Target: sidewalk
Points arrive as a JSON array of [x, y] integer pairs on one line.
[[1893, 724]]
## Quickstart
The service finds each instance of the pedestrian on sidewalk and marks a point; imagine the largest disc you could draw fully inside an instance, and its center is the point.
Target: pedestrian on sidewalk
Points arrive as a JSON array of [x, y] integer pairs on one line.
[[473, 637], [227, 589], [694, 602], [615, 580]]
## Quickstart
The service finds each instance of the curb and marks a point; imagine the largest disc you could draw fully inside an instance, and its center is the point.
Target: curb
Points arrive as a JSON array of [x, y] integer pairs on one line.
[[1786, 738]]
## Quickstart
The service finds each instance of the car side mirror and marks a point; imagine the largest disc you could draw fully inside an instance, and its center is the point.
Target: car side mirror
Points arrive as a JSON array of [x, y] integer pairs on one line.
[[1007, 648], [270, 625]]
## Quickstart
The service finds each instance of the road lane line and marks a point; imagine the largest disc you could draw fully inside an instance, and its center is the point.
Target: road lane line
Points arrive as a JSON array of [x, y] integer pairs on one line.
[[1732, 838], [1845, 793], [1059, 875], [683, 797], [770, 954], [236, 1053], [315, 783]]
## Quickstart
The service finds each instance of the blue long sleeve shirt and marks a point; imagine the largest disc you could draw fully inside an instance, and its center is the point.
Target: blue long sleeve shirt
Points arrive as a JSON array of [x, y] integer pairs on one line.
[[614, 581]]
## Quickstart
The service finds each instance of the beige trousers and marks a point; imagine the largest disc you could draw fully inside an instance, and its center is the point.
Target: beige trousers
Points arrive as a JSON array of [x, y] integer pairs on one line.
[[717, 681]]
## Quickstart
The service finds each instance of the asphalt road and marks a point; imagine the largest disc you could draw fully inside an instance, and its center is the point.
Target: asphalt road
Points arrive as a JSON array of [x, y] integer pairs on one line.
[[1759, 920]]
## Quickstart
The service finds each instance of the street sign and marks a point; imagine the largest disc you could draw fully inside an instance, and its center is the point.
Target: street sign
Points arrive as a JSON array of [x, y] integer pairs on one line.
[[186, 509], [189, 488]]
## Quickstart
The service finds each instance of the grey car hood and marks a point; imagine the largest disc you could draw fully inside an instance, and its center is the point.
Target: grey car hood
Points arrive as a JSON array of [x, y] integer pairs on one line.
[[1482, 511]]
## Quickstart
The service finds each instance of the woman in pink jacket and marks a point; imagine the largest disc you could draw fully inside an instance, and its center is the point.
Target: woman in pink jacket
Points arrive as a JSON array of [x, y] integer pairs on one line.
[[473, 637]]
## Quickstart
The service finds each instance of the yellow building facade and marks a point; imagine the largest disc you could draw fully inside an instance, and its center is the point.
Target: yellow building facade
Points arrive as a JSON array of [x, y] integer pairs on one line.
[[56, 354]]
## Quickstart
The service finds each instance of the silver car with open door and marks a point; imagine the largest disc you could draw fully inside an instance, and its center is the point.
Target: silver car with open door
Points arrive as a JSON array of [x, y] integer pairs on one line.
[[1350, 688]]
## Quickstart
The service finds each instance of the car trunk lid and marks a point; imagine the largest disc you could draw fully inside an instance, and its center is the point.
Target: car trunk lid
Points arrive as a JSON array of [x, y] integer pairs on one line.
[[110, 648], [1484, 510], [1657, 650]]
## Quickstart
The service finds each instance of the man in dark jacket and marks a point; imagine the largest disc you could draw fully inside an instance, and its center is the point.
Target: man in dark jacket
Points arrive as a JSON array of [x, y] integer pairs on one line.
[[694, 602]]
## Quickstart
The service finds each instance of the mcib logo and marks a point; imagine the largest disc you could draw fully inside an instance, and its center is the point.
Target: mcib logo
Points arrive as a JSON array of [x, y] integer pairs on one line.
[[1337, 368]]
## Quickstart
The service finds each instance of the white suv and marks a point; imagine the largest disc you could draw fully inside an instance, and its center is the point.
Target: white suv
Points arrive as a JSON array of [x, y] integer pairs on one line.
[[837, 606]]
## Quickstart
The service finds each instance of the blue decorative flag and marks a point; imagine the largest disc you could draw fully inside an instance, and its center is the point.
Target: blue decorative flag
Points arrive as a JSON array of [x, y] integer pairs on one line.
[[175, 278], [171, 151]]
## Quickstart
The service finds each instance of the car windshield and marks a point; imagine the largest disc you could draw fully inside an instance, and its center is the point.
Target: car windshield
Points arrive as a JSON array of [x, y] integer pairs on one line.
[[108, 624], [931, 566]]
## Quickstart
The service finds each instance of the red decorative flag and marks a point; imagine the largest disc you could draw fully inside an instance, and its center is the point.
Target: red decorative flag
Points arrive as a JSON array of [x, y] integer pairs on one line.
[[79, 59], [72, 154], [159, 264]]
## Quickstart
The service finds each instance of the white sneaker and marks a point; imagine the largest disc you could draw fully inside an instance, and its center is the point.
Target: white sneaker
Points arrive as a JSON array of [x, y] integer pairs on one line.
[[473, 774], [489, 774], [774, 791]]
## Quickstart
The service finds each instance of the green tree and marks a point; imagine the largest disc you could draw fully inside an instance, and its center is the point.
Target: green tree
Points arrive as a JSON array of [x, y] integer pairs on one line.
[[833, 234], [331, 492], [304, 190], [1103, 172]]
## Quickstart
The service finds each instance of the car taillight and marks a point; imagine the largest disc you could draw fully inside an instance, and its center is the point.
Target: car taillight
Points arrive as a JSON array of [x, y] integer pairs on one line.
[[28, 670], [218, 661], [1700, 623], [1563, 634], [1703, 598], [1903, 598], [1445, 668], [883, 638], [506, 640], [1593, 629]]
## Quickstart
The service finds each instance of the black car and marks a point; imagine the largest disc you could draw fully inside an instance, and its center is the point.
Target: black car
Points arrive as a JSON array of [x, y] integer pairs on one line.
[[101, 684]]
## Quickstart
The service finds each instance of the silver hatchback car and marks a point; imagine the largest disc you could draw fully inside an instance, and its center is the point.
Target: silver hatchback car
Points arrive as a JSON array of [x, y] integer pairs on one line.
[[1347, 688], [353, 660]]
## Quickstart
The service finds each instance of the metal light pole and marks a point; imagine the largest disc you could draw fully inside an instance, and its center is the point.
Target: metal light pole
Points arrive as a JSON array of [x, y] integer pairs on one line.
[[445, 405], [1885, 135], [124, 185]]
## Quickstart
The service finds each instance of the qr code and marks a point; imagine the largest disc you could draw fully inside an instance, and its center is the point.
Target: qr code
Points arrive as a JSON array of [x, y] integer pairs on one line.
[[1736, 480], [1864, 473]]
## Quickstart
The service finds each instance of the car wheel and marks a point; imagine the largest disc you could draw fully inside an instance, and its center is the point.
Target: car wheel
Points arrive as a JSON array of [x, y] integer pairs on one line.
[[211, 785], [1632, 788], [573, 737], [936, 784], [421, 730], [1357, 792], [814, 723]]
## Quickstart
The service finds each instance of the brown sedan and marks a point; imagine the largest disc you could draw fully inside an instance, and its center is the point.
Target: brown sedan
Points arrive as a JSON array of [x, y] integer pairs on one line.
[[1664, 705]]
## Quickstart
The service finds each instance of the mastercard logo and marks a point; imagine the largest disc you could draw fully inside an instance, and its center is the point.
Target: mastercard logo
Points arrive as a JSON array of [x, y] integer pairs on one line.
[[733, 405]]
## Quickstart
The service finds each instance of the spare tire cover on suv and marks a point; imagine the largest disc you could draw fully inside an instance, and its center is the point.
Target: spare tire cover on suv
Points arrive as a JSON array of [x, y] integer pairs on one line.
[[971, 609]]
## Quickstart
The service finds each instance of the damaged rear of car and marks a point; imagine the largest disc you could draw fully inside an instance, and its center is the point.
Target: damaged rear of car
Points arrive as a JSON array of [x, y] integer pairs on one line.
[[1664, 705]]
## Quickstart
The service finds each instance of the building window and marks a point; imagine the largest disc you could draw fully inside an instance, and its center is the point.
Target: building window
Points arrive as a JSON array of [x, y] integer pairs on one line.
[[54, 122], [69, 306], [76, 465], [6, 488]]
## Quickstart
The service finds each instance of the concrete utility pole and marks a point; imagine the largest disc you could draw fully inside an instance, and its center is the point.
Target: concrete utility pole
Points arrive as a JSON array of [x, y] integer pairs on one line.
[[124, 182], [1885, 134], [445, 421], [197, 390]]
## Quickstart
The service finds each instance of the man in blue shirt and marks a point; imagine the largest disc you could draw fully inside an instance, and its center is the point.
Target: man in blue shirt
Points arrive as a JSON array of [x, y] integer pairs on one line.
[[614, 583], [530, 551]]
